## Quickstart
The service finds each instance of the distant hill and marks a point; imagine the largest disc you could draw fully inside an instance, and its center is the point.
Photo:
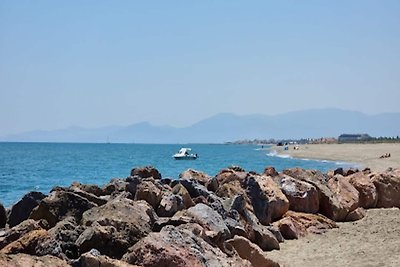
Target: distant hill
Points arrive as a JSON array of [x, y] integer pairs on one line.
[[229, 127]]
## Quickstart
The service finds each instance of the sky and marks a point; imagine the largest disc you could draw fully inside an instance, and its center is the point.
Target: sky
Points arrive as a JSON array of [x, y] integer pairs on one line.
[[99, 63]]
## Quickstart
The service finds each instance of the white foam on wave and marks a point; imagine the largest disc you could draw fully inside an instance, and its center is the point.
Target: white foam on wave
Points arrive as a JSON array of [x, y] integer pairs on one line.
[[273, 153]]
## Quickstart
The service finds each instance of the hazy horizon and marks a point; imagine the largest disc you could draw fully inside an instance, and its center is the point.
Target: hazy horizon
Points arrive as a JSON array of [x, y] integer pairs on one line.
[[94, 64]]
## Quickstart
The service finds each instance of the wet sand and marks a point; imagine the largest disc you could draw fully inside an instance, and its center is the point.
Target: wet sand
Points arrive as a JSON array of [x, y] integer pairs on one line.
[[372, 241], [363, 155]]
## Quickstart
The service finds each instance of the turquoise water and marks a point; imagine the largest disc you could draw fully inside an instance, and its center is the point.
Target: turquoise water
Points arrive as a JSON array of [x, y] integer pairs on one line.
[[40, 166]]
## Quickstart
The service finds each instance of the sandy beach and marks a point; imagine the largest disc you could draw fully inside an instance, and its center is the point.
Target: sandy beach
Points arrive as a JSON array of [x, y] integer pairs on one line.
[[363, 155], [371, 241]]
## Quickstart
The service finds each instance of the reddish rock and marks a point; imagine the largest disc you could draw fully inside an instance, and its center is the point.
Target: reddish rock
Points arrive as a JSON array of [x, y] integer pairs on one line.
[[24, 260], [270, 171], [229, 175], [329, 204], [269, 203], [355, 215], [347, 195], [388, 188], [368, 196], [177, 247], [149, 192], [198, 176], [290, 228], [313, 223], [146, 172], [251, 252], [20, 230], [27, 243], [302, 196]]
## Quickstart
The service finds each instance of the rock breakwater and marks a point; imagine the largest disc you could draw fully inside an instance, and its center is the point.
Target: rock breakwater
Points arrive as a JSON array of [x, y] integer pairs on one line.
[[231, 219]]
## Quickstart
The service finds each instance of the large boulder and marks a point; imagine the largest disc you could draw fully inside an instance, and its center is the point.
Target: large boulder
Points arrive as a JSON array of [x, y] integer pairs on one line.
[[251, 252], [296, 224], [258, 233], [178, 247], [209, 219], [121, 222], [28, 243], [269, 203], [20, 211], [190, 174], [59, 205], [22, 260], [347, 195], [388, 188], [329, 204], [20, 230], [302, 196], [3, 216], [368, 196], [149, 192], [146, 172]]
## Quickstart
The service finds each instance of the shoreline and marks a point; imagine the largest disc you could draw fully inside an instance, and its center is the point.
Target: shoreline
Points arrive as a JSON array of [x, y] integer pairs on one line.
[[360, 155]]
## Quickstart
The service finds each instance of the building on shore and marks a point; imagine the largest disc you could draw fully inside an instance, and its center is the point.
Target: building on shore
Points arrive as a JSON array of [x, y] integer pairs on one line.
[[350, 138]]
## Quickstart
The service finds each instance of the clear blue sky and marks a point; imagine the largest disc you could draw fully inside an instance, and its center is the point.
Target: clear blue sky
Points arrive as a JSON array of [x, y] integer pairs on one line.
[[97, 63]]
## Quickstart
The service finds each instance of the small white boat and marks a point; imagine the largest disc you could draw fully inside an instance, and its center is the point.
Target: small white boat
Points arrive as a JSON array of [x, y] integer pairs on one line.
[[184, 153]]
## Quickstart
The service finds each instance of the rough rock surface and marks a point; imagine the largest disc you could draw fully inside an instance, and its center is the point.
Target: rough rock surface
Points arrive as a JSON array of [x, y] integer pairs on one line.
[[347, 195], [28, 243], [251, 252], [368, 196], [302, 196], [269, 203], [388, 188], [120, 222], [149, 192], [177, 247], [24, 260], [312, 223], [329, 205], [59, 205], [146, 172], [20, 211], [181, 191], [169, 205], [19, 230], [190, 174]]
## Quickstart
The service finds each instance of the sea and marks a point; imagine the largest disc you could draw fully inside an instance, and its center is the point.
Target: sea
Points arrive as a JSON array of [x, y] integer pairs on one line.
[[26, 167]]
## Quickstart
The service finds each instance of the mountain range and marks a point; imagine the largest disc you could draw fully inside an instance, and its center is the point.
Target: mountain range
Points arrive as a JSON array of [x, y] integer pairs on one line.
[[230, 127]]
